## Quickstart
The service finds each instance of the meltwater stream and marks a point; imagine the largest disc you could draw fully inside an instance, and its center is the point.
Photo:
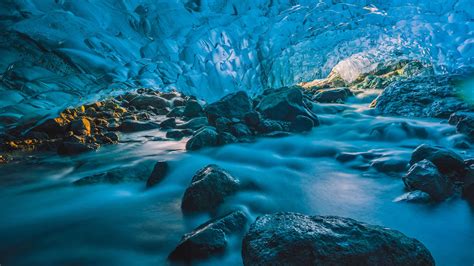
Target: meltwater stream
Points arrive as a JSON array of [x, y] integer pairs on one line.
[[46, 220]]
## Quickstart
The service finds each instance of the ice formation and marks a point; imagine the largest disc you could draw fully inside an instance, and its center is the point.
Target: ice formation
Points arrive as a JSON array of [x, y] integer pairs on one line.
[[61, 53]]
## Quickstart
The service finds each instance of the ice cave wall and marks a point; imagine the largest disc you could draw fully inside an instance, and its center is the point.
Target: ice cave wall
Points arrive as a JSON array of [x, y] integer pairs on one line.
[[59, 53]]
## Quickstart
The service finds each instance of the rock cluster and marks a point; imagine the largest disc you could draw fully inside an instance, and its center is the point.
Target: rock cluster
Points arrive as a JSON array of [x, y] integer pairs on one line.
[[436, 171], [296, 239]]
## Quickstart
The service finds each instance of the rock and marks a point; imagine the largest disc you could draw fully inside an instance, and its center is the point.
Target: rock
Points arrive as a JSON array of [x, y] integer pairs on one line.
[[195, 123], [170, 95], [226, 138], [142, 102], [174, 134], [53, 127], [81, 127], [284, 104], [424, 176], [210, 238], [302, 124], [208, 188], [135, 126], [234, 105], [137, 173], [296, 239], [168, 123], [390, 164], [223, 124], [468, 192], [112, 136], [192, 109], [448, 162], [458, 116], [466, 127], [336, 95], [158, 174], [252, 119], [206, 137], [176, 112], [240, 130], [178, 102], [72, 147], [421, 96], [415, 196], [268, 126]]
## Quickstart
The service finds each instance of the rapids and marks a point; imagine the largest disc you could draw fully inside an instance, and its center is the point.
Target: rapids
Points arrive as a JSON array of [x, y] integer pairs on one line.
[[48, 220]]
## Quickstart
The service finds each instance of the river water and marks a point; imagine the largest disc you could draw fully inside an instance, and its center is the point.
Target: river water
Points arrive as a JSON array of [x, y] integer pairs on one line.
[[46, 220]]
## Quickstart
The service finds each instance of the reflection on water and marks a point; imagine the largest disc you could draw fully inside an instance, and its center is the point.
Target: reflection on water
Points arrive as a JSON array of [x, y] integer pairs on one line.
[[47, 220]]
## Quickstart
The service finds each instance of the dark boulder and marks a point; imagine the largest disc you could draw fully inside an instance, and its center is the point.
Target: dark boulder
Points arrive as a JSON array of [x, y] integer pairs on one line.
[[175, 134], [284, 104], [268, 126], [466, 127], [205, 137], [296, 239], [223, 124], [240, 130], [252, 119], [302, 124], [424, 176], [195, 123], [336, 95], [81, 127], [158, 174], [209, 186], [210, 238], [234, 105], [176, 112], [192, 109], [226, 138], [168, 123], [448, 162], [142, 101]]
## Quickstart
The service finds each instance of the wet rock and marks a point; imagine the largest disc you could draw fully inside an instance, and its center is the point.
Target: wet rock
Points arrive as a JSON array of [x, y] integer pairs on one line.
[[252, 119], [81, 127], [137, 173], [192, 109], [390, 164], [195, 123], [234, 105], [210, 238], [135, 126], [448, 162], [158, 174], [53, 127], [336, 95], [416, 196], [424, 176], [226, 138], [75, 147], [223, 124], [142, 102], [170, 95], [466, 127], [302, 124], [209, 187], [176, 112], [268, 126], [205, 137], [240, 130], [458, 116], [422, 96], [296, 239], [174, 134], [178, 102], [168, 123], [284, 104]]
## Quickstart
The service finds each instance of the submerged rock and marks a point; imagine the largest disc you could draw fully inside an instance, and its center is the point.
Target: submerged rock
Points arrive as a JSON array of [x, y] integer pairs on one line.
[[205, 137], [234, 105], [210, 238], [284, 104], [209, 186], [296, 239], [423, 96], [302, 124], [158, 174], [424, 176]]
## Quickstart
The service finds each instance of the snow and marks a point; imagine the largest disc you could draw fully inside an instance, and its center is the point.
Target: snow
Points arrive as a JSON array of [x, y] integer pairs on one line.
[[90, 49]]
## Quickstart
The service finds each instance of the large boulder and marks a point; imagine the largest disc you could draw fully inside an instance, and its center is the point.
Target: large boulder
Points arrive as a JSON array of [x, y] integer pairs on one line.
[[234, 105], [143, 101], [205, 137], [423, 96], [208, 188], [158, 174], [302, 124], [210, 238], [296, 239], [192, 109], [448, 162], [424, 176], [335, 95], [284, 104]]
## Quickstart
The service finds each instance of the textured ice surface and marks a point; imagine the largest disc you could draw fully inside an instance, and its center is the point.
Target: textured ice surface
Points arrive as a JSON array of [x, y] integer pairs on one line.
[[64, 52]]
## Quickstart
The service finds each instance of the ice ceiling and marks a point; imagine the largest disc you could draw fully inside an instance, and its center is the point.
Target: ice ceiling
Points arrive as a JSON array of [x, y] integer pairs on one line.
[[60, 53]]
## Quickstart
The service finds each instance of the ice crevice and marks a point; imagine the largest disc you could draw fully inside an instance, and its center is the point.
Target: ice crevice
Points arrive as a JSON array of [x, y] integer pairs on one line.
[[62, 53]]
